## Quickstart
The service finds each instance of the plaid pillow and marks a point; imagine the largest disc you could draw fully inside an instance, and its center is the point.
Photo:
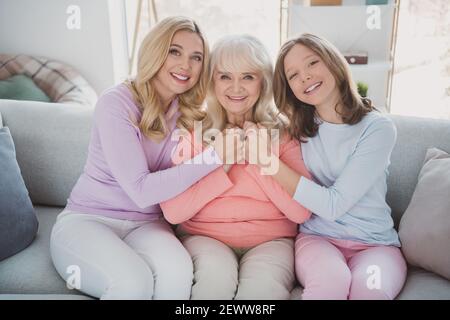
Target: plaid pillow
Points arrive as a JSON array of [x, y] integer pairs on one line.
[[59, 81]]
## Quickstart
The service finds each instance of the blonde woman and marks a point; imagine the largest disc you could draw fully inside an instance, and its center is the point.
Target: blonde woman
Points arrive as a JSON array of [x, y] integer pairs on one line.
[[349, 248], [112, 228], [238, 224]]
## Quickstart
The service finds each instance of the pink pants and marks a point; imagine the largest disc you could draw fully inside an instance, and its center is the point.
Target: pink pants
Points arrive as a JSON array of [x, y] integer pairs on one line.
[[342, 269]]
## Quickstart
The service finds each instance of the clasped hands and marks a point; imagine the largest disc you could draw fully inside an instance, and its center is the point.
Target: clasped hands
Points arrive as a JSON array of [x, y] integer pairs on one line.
[[251, 143]]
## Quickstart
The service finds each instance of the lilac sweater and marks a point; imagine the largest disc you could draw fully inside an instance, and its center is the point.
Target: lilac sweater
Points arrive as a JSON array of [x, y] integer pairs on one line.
[[127, 175]]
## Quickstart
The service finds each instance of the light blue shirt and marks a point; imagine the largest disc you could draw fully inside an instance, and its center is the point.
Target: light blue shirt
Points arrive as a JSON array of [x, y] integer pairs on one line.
[[349, 165]]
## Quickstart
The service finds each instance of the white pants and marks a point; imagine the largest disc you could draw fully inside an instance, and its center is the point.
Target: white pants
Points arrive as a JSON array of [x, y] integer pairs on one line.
[[265, 271], [121, 259]]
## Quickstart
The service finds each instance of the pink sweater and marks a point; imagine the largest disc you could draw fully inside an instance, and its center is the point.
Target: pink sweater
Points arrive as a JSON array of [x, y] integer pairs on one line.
[[242, 208]]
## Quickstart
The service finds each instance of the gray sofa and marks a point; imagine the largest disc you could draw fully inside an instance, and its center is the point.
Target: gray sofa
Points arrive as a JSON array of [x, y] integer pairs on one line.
[[51, 143]]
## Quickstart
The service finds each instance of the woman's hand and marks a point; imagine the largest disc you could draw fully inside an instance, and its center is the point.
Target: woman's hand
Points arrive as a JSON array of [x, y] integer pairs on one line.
[[230, 147], [258, 146]]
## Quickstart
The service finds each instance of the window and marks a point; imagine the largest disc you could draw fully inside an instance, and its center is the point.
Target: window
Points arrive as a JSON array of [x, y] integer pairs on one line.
[[421, 75], [217, 18], [421, 80]]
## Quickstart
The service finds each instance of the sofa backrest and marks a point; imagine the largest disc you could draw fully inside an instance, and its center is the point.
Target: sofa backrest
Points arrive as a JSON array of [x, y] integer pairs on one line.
[[51, 141], [414, 137]]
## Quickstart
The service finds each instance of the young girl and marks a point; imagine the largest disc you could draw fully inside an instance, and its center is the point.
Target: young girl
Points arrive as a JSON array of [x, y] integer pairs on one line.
[[112, 229], [349, 248], [238, 224]]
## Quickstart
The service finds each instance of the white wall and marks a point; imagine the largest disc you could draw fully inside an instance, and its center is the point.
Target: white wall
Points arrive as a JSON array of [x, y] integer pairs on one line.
[[97, 50]]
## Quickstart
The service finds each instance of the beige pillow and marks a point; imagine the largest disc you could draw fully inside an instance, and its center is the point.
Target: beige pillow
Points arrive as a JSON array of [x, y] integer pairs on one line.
[[425, 226]]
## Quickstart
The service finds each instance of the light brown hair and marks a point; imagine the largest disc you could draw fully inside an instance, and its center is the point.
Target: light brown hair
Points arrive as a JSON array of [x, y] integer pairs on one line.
[[303, 116]]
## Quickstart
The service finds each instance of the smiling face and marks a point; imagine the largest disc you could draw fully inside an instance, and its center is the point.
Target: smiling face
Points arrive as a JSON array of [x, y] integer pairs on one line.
[[237, 92], [183, 65], [309, 78]]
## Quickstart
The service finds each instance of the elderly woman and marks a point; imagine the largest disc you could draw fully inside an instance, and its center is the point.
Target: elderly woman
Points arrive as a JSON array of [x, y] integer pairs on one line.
[[237, 223]]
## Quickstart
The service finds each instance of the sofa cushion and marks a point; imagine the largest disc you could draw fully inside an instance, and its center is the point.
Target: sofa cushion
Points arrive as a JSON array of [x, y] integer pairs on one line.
[[424, 285], [21, 87], [31, 271], [18, 223], [425, 226], [52, 151], [420, 284], [414, 137]]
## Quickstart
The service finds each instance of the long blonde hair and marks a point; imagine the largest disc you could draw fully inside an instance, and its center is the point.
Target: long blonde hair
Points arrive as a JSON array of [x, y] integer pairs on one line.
[[242, 53], [151, 57], [302, 115]]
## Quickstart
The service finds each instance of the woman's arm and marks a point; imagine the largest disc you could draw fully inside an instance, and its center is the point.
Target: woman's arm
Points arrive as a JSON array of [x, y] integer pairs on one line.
[[287, 178], [290, 155], [187, 204], [364, 167], [258, 142], [126, 159]]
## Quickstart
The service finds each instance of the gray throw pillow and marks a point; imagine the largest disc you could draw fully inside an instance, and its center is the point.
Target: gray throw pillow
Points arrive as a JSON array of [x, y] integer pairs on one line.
[[425, 226], [18, 223]]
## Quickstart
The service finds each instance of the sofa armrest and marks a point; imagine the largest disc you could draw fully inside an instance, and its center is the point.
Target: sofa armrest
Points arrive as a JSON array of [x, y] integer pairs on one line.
[[51, 141]]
